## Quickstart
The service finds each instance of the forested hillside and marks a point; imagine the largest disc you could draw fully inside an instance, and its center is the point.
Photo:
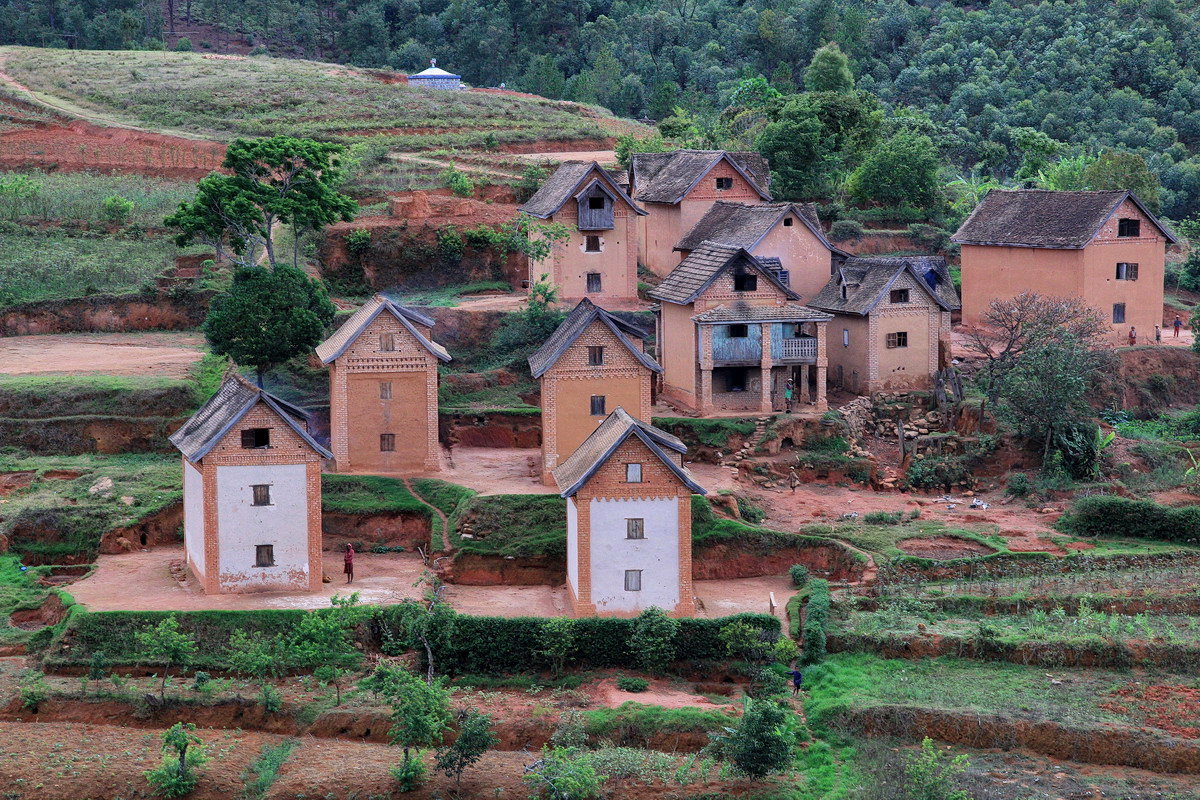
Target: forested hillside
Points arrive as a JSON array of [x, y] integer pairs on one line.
[[1088, 74]]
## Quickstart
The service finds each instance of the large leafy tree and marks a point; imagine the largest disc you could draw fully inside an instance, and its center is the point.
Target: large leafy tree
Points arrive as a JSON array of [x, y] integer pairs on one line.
[[901, 171], [268, 316], [1117, 170], [271, 181], [763, 741], [829, 71], [799, 152]]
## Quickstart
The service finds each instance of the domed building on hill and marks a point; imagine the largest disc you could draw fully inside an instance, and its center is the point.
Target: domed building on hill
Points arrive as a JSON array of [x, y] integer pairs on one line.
[[435, 78]]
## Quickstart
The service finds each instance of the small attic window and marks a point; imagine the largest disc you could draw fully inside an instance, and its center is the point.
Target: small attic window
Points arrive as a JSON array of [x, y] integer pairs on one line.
[[596, 203], [788, 222], [256, 438], [724, 183], [845, 293], [898, 296], [745, 282], [932, 278], [1129, 227]]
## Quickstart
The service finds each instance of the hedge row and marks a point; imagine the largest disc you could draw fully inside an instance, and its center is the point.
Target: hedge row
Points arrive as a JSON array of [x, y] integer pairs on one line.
[[1109, 515], [816, 620]]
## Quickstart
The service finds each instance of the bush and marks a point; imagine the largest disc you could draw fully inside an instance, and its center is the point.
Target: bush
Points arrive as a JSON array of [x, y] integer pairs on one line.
[[1019, 485], [884, 518], [559, 775], [937, 471], [459, 182], [1121, 516], [116, 209], [652, 640], [845, 230], [358, 241], [183, 45], [409, 775], [628, 684], [799, 575], [816, 619]]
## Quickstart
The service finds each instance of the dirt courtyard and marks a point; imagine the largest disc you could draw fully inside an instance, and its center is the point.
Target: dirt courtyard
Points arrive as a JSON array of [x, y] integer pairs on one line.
[[168, 355]]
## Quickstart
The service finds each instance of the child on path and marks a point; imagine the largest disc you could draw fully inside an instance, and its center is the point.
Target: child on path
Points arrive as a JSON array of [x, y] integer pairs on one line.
[[349, 568]]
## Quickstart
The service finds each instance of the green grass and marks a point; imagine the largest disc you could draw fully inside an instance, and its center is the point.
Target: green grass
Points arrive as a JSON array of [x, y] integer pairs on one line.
[[262, 772], [711, 432], [19, 590], [444, 495], [59, 197], [708, 528], [638, 721], [512, 525], [38, 396], [449, 296], [881, 539], [368, 494], [489, 398]]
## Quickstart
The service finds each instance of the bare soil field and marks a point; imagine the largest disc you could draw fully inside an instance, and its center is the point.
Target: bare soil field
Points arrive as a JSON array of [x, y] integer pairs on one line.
[[163, 354]]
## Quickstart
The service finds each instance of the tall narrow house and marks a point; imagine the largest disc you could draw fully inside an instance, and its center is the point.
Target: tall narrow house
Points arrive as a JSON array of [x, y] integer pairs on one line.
[[592, 363], [251, 493], [383, 390], [598, 260], [629, 521], [678, 188]]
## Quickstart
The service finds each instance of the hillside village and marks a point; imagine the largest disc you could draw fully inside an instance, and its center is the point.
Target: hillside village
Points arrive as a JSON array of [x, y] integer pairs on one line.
[[537, 452]]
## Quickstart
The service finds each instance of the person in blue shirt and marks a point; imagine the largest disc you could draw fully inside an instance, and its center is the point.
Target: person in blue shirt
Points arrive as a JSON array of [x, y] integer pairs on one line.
[[797, 680]]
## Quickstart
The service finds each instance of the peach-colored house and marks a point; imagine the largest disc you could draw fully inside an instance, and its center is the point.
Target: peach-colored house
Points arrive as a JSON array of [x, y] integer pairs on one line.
[[591, 364], [784, 237], [891, 321], [383, 390], [1104, 248], [730, 335], [678, 188], [251, 493], [599, 258], [629, 521]]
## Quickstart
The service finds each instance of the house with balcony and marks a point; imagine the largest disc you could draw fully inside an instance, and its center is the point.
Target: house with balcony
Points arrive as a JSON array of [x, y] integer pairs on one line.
[[730, 335], [599, 258], [787, 238]]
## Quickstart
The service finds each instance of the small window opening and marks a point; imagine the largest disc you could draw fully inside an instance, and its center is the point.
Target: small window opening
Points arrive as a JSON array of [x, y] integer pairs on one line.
[[264, 555], [598, 405], [898, 339], [596, 203], [387, 342], [633, 580], [261, 494], [1129, 227], [256, 438], [633, 473], [1118, 313], [635, 529], [745, 282], [1127, 271], [594, 284], [724, 183], [845, 337], [385, 390], [898, 296], [595, 355], [739, 331], [592, 245], [387, 442], [787, 222]]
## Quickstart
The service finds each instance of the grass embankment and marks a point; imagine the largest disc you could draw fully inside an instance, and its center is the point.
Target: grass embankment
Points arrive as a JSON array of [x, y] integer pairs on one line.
[[445, 497], [708, 432], [368, 494], [19, 591], [518, 525]]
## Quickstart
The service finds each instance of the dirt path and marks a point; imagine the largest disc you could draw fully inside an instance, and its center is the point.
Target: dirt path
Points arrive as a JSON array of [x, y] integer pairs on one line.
[[604, 157], [169, 355], [463, 166], [438, 513]]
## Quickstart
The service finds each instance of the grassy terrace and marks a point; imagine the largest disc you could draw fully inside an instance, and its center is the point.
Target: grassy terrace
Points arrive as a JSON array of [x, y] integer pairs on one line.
[[224, 98]]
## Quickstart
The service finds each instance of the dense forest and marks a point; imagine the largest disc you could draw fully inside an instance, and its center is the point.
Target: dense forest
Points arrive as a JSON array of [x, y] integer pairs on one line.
[[1002, 89]]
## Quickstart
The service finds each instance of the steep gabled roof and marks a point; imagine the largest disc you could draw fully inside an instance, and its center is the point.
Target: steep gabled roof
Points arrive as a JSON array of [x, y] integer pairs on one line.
[[668, 177], [330, 349], [703, 266], [196, 437], [1044, 218], [566, 182], [618, 426], [868, 278], [575, 324], [745, 225]]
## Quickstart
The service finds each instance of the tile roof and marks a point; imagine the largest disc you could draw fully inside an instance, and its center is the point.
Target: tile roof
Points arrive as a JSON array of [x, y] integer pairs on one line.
[[566, 182], [741, 311], [343, 337], [618, 426], [702, 266], [583, 315], [867, 278], [744, 225], [668, 177], [233, 399], [1044, 218]]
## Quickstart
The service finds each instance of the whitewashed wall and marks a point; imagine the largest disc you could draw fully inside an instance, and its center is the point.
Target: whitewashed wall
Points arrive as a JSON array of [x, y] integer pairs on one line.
[[243, 525], [657, 555], [572, 544], [193, 516]]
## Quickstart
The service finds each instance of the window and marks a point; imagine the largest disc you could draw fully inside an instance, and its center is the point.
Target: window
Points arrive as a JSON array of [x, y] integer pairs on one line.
[[844, 292], [738, 331], [261, 493], [385, 390], [387, 442], [633, 473], [596, 203], [898, 339], [633, 580], [592, 245], [264, 555], [735, 379], [1118, 313], [1129, 227], [724, 183], [784, 276], [387, 342], [787, 222], [595, 355], [898, 296], [635, 529], [256, 438], [593, 282], [597, 405], [1127, 272], [845, 337], [745, 282]]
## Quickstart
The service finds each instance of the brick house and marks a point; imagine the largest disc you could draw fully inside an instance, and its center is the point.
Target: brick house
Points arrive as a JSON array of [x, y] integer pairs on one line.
[[891, 322], [730, 335], [678, 188], [599, 258], [251, 493], [629, 521], [1103, 248], [592, 363], [785, 237], [383, 390]]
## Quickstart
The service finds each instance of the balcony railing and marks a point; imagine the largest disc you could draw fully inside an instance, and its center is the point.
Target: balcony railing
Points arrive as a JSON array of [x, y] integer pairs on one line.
[[803, 348]]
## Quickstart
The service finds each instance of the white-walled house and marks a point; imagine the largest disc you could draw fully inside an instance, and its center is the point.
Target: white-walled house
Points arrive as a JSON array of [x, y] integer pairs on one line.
[[251, 493], [629, 520]]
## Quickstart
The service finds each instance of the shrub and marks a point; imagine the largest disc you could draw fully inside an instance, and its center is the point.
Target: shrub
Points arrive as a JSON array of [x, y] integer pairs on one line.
[[1019, 485], [799, 575], [183, 45], [531, 180], [653, 640], [631, 684], [763, 741], [116, 209], [358, 241], [932, 774], [559, 775], [183, 752], [34, 690], [409, 775], [937, 471], [458, 181], [845, 230], [1121, 516], [816, 618], [744, 642], [474, 738], [884, 518]]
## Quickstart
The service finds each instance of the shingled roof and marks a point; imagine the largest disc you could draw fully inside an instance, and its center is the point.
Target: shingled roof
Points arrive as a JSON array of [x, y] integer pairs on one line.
[[868, 278], [566, 182], [330, 349], [583, 315], [196, 437], [668, 177], [1044, 218], [741, 311], [744, 225], [618, 426], [702, 266]]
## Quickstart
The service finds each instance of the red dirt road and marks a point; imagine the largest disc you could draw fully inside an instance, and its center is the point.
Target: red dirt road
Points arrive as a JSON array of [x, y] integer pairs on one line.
[[169, 355]]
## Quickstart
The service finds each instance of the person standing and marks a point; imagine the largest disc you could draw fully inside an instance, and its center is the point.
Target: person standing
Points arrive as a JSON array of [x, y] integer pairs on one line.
[[789, 394], [1132, 336], [1158, 334], [1177, 324], [793, 479], [349, 561], [797, 681]]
